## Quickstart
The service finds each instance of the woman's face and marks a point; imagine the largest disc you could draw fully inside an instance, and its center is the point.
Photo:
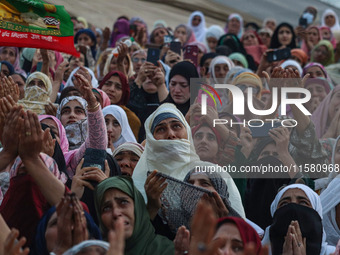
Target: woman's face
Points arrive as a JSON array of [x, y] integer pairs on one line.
[[296, 196], [334, 105], [206, 144], [320, 54], [114, 89], [53, 126], [127, 161], [159, 35], [330, 20], [317, 91], [84, 39], [77, 62], [37, 82], [315, 71], [149, 87], [170, 129], [51, 234], [249, 39], [201, 180], [271, 24], [285, 36], [313, 35], [5, 70], [21, 84], [212, 43], [265, 38], [8, 54], [234, 26], [114, 130], [118, 204], [179, 89], [113, 64], [196, 20], [326, 34], [234, 244], [221, 71], [72, 112], [138, 60], [181, 34], [337, 153]]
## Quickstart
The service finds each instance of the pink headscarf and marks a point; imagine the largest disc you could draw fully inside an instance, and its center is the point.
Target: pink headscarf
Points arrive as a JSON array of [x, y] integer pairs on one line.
[[16, 64], [62, 133], [58, 59], [320, 115], [332, 40], [105, 97]]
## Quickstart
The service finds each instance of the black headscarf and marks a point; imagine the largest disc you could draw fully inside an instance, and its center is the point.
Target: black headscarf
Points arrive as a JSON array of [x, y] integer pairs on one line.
[[275, 44], [187, 70]]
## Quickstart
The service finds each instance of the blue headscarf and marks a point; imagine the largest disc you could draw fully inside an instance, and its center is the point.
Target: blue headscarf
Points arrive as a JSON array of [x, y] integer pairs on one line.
[[9, 66], [91, 35]]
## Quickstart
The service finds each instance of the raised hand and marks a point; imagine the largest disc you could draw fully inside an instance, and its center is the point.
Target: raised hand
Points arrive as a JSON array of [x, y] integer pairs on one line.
[[13, 247], [85, 88], [182, 241], [9, 87]]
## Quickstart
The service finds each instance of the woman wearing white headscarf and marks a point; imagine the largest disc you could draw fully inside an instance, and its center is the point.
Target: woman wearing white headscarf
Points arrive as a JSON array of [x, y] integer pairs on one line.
[[331, 22], [234, 25], [290, 63], [94, 80], [212, 36], [330, 201], [119, 114], [174, 156], [38, 90], [80, 248], [315, 203], [219, 67], [200, 29]]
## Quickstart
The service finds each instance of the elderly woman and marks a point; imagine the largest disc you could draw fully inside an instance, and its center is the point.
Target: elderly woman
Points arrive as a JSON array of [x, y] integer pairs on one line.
[[197, 23], [312, 38], [297, 214], [323, 53], [118, 197], [234, 25], [331, 20], [212, 36], [219, 67], [184, 34], [170, 149], [38, 90], [127, 156]]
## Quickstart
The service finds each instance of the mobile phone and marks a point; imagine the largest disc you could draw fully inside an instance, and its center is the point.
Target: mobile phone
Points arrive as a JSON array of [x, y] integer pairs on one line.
[[133, 29], [278, 54], [176, 47], [39, 66], [153, 55], [95, 158], [263, 131], [191, 53], [303, 22]]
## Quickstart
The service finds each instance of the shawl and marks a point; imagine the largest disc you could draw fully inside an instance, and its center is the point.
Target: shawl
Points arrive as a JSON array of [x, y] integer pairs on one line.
[[199, 30]]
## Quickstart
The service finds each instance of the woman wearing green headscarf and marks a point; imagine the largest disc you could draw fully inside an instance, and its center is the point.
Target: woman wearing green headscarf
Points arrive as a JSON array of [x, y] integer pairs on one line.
[[118, 197], [323, 53]]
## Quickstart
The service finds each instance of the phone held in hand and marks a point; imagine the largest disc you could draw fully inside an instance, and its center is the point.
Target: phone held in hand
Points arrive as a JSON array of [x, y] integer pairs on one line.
[[176, 47], [153, 55], [278, 54], [95, 158], [263, 131], [191, 53]]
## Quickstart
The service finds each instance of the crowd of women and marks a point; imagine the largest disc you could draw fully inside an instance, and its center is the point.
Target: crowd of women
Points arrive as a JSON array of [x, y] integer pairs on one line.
[[109, 153]]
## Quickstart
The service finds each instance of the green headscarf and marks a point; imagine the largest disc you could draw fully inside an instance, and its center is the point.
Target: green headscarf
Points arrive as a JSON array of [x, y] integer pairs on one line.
[[330, 60], [239, 57], [143, 241]]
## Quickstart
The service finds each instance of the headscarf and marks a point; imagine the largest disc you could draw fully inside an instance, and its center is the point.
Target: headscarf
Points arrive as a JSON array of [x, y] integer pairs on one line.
[[239, 57], [143, 240], [311, 64], [291, 62], [16, 64], [330, 49], [65, 101], [136, 148], [40, 247], [9, 66], [201, 46], [301, 55], [120, 115], [214, 31], [239, 17], [332, 38], [199, 30], [62, 133], [189, 33], [85, 244], [336, 26], [36, 98], [329, 200], [120, 29], [174, 157], [247, 232], [275, 44], [94, 80], [104, 96], [320, 115], [125, 86], [249, 78], [320, 81], [316, 204], [304, 47], [108, 63], [219, 60], [91, 35]]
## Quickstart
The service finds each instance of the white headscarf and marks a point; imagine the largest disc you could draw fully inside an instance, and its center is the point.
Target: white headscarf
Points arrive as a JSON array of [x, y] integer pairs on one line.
[[175, 157], [120, 115], [291, 62], [94, 80], [214, 31], [81, 100], [136, 148], [199, 30], [219, 60], [77, 248], [316, 204], [336, 26], [330, 199]]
